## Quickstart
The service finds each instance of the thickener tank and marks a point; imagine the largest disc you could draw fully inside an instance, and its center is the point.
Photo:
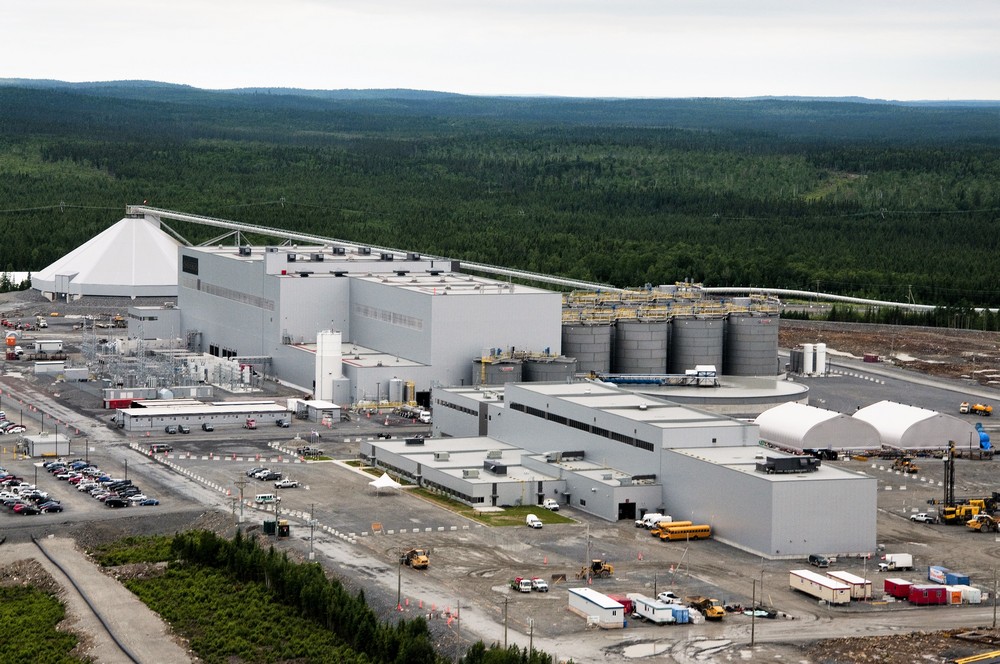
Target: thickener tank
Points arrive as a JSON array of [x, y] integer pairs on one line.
[[590, 345], [496, 372], [751, 347], [549, 369], [641, 346], [695, 341]]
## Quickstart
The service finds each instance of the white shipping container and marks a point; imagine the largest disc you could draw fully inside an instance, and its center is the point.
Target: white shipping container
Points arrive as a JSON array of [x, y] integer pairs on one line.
[[970, 595]]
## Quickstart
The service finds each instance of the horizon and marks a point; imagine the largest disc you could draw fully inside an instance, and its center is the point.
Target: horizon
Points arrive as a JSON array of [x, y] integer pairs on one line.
[[633, 49]]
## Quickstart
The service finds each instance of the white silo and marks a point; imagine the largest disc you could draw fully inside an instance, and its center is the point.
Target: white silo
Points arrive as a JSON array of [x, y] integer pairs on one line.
[[820, 366], [808, 359]]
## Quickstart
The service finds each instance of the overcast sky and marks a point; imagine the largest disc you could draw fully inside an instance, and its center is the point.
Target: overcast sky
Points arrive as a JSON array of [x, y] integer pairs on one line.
[[889, 49]]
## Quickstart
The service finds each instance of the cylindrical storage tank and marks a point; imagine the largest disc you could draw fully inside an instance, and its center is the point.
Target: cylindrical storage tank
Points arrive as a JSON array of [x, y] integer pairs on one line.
[[751, 346], [820, 365], [549, 369], [590, 345], [695, 341], [396, 390], [496, 373], [808, 359], [641, 347], [795, 360]]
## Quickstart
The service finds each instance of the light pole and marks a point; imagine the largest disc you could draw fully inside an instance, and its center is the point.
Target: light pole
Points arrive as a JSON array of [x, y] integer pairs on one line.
[[505, 622], [312, 526], [126, 468], [240, 483]]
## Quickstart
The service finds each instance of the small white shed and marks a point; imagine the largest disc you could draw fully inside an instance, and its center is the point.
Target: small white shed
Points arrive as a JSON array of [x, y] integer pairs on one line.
[[597, 608]]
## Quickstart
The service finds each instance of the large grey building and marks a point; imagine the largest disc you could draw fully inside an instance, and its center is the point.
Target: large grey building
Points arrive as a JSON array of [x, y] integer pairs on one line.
[[617, 455], [406, 322]]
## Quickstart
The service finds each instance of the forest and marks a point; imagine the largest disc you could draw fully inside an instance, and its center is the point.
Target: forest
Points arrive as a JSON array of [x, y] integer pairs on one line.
[[856, 197]]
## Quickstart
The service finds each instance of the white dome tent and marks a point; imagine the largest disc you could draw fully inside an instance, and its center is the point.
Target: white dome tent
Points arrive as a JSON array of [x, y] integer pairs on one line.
[[798, 426], [133, 258], [910, 427]]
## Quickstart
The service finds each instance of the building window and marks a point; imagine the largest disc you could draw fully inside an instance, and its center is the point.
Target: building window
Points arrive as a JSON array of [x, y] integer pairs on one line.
[[189, 264]]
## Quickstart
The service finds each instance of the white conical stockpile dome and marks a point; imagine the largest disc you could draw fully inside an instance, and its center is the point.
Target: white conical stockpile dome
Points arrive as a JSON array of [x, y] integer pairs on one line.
[[133, 258]]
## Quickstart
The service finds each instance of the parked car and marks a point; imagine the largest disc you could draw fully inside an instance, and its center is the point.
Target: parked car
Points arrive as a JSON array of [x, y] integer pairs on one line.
[[26, 509], [149, 501], [924, 517], [183, 428], [283, 423], [207, 427], [254, 471], [116, 502], [551, 504], [136, 498], [273, 475], [17, 428], [171, 428], [285, 484], [51, 506]]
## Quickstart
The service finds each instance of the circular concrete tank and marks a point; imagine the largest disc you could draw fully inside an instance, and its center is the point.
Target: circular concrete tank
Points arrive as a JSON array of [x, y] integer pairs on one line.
[[496, 373], [751, 347], [549, 369], [590, 345], [641, 347], [695, 341]]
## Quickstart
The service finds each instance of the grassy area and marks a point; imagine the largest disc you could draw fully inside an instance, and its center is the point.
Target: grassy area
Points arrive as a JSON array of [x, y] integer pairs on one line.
[[28, 632], [510, 516], [136, 549]]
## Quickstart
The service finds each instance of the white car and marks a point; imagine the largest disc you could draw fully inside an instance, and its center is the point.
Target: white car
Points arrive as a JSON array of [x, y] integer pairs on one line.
[[285, 484], [668, 597], [137, 498]]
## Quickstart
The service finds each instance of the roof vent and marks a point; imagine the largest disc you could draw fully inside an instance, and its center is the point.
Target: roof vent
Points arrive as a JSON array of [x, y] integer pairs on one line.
[[494, 454]]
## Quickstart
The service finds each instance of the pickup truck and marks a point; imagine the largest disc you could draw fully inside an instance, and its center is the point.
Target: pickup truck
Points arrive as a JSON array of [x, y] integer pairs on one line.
[[924, 517], [540, 585], [286, 484]]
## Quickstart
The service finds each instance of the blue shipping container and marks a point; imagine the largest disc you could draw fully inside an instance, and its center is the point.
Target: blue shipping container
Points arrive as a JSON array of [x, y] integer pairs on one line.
[[681, 615], [956, 579]]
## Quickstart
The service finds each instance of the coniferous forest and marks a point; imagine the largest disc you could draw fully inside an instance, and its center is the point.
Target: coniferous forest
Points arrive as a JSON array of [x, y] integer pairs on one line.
[[886, 200]]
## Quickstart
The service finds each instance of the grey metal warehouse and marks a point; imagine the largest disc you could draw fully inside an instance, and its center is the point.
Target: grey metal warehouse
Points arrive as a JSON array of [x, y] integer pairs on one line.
[[620, 454]]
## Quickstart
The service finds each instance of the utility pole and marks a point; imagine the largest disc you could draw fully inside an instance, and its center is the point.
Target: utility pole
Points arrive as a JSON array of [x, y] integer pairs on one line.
[[994, 598], [505, 620], [312, 526], [531, 636], [753, 611], [399, 587], [241, 482], [458, 630]]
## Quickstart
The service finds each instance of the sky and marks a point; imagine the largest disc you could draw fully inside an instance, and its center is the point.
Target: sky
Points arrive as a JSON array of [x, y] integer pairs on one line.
[[885, 49]]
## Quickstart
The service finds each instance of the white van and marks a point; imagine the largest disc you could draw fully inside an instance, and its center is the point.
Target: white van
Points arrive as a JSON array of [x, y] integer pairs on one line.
[[424, 416], [532, 521], [266, 499], [648, 520]]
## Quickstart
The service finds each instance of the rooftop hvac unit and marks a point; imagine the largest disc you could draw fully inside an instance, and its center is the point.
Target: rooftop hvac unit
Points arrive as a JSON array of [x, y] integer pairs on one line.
[[442, 456], [364, 251], [414, 441], [495, 468], [412, 256], [788, 465], [304, 274], [291, 258], [244, 251], [553, 457], [434, 273], [338, 251], [271, 250], [606, 477], [339, 273], [625, 481], [494, 454], [318, 258], [402, 273], [386, 256], [470, 474]]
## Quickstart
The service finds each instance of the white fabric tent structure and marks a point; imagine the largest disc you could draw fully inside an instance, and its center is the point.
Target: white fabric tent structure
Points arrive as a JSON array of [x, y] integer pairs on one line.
[[384, 482], [133, 258], [798, 426], [910, 427]]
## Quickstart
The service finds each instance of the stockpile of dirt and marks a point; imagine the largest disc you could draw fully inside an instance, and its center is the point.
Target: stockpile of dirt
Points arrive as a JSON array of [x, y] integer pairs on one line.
[[933, 351], [902, 649]]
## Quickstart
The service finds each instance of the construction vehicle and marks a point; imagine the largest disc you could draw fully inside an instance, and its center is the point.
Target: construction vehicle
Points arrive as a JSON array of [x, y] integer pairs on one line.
[[417, 559], [520, 584], [119, 321], [712, 609], [963, 512], [984, 410], [905, 464], [983, 523], [251, 423], [597, 567]]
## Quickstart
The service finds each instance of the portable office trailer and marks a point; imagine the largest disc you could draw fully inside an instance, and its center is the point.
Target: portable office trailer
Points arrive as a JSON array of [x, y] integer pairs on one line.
[[860, 588], [651, 609], [898, 588], [819, 586], [927, 594], [597, 608]]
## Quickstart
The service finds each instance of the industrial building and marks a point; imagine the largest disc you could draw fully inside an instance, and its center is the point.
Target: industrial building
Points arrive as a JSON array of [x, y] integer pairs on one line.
[[800, 427], [154, 415], [618, 455]]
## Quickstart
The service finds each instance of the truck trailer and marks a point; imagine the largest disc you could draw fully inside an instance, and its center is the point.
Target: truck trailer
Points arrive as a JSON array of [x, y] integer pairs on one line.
[[819, 586]]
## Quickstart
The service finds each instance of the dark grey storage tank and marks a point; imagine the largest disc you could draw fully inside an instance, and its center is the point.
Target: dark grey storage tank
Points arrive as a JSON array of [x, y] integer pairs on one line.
[[641, 347], [751, 345], [496, 373], [549, 369], [589, 344], [695, 341]]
